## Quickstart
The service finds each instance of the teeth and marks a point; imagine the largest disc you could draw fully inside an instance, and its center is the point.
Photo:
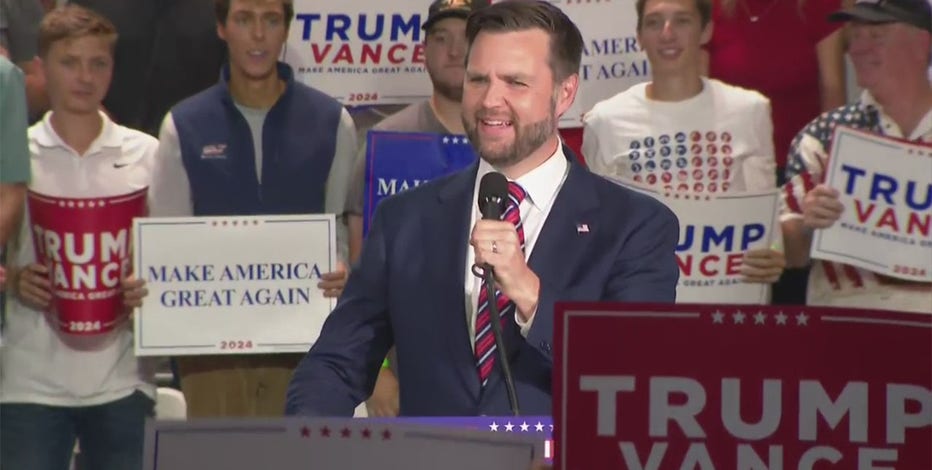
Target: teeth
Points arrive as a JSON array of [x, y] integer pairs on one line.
[[495, 123]]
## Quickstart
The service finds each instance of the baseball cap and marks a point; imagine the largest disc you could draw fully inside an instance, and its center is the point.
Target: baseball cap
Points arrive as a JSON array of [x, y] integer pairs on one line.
[[441, 9], [915, 12]]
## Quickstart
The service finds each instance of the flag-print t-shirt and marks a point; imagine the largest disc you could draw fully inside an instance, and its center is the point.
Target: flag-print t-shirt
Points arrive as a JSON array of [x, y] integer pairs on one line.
[[720, 140]]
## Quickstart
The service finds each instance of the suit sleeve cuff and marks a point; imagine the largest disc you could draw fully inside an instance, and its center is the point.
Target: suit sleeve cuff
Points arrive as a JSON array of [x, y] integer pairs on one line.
[[525, 327]]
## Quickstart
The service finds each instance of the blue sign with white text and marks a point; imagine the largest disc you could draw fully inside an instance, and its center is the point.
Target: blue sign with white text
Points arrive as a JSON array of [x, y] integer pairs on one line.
[[398, 161]]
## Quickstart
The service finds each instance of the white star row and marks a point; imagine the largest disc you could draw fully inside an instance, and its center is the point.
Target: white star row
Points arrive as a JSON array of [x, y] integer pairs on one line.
[[81, 204], [524, 426], [455, 140], [759, 318]]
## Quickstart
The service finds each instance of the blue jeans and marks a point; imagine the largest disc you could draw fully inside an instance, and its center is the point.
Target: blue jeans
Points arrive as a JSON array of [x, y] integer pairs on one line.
[[39, 437]]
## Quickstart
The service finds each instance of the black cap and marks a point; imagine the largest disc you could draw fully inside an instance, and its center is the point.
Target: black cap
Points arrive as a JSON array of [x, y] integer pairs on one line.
[[915, 12], [441, 9]]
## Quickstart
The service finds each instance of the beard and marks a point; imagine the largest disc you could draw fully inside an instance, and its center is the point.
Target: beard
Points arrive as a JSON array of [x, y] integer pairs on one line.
[[528, 138]]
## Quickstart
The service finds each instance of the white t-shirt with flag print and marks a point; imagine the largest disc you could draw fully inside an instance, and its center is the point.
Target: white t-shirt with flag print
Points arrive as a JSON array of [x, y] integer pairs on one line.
[[720, 140]]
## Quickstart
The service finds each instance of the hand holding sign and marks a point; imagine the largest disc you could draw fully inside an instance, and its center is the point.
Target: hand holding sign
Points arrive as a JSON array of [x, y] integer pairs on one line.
[[33, 286], [762, 265], [821, 207], [332, 283]]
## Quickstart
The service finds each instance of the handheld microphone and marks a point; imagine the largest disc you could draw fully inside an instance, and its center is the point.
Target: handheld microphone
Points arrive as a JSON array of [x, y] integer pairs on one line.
[[493, 196]]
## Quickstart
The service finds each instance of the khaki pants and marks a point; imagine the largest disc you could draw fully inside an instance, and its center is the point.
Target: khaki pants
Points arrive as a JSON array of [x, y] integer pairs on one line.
[[236, 385]]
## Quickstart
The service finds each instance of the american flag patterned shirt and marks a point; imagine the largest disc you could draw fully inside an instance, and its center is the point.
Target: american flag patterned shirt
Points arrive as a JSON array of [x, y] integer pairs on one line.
[[837, 284]]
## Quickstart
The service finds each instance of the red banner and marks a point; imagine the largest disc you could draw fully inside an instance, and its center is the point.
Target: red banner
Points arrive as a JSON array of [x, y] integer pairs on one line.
[[741, 387], [85, 244]]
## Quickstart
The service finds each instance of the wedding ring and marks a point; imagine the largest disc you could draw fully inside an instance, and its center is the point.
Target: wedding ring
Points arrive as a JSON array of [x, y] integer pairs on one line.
[[494, 247]]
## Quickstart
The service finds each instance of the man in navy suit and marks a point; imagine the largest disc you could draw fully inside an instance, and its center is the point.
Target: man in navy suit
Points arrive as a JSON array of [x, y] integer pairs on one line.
[[579, 238]]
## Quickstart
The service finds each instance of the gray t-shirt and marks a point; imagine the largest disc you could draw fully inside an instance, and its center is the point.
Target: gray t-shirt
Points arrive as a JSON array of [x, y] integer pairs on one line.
[[19, 28], [255, 117], [418, 117]]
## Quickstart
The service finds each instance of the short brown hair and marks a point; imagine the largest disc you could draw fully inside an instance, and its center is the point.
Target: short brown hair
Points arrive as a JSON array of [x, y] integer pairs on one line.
[[222, 8], [704, 7], [566, 43], [72, 22]]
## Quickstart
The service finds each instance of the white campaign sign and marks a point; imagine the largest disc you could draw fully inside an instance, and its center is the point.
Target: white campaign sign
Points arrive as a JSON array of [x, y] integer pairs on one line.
[[715, 232], [363, 52], [227, 285], [885, 186], [331, 444]]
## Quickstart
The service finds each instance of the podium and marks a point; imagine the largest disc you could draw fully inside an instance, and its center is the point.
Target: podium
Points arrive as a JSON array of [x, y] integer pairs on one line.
[[489, 443], [741, 387]]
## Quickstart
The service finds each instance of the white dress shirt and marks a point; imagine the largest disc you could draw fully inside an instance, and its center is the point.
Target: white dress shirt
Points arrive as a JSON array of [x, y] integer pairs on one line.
[[542, 185]]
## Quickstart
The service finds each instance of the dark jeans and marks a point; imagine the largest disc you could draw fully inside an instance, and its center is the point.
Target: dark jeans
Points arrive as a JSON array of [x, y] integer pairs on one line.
[[39, 437]]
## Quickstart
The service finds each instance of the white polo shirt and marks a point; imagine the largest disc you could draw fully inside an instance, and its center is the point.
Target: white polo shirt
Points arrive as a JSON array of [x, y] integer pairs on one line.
[[39, 364]]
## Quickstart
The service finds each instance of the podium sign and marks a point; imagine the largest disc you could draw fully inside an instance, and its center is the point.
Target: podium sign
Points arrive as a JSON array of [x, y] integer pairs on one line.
[[331, 444], [739, 387]]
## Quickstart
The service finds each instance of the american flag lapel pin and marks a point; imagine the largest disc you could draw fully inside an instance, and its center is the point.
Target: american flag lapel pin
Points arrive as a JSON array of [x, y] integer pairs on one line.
[[582, 228]]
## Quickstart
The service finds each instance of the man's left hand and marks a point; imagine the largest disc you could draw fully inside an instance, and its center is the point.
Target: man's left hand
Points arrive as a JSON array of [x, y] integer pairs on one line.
[[496, 243]]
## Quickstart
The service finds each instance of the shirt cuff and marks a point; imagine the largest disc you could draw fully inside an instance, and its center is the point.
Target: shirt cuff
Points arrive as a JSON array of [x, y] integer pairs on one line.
[[525, 327]]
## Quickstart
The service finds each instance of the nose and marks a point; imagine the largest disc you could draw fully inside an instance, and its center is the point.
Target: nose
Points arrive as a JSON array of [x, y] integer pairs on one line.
[[667, 31], [258, 30], [494, 94], [457, 48], [84, 72]]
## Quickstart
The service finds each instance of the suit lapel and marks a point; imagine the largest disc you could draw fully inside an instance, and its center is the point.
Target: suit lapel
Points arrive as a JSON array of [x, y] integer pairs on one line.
[[559, 244], [447, 244]]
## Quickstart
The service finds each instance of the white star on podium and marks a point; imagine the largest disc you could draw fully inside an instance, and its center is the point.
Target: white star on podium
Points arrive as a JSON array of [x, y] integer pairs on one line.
[[802, 319], [446, 140], [781, 318], [494, 426], [524, 426], [717, 317], [455, 140], [539, 427], [739, 317], [760, 318], [509, 427]]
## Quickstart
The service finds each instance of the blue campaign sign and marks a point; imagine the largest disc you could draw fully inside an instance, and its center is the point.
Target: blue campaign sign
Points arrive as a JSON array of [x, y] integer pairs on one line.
[[398, 161]]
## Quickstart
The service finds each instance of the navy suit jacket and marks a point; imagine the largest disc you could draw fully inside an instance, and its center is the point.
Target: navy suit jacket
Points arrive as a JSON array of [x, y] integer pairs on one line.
[[407, 290]]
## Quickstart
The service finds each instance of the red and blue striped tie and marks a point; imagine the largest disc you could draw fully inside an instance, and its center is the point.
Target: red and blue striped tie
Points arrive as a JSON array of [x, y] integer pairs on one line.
[[485, 341]]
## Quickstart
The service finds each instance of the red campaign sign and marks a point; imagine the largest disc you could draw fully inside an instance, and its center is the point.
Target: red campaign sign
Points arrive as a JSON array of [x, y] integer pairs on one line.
[[85, 243], [741, 387]]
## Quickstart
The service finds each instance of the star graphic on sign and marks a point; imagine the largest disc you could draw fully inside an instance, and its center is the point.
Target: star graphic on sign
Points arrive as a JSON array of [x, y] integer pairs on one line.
[[781, 318], [456, 140], [539, 427], [366, 433], [386, 435], [325, 431], [345, 433], [802, 319], [760, 318], [305, 431], [717, 317], [738, 317], [551, 428], [509, 427], [524, 426], [494, 426], [446, 140]]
